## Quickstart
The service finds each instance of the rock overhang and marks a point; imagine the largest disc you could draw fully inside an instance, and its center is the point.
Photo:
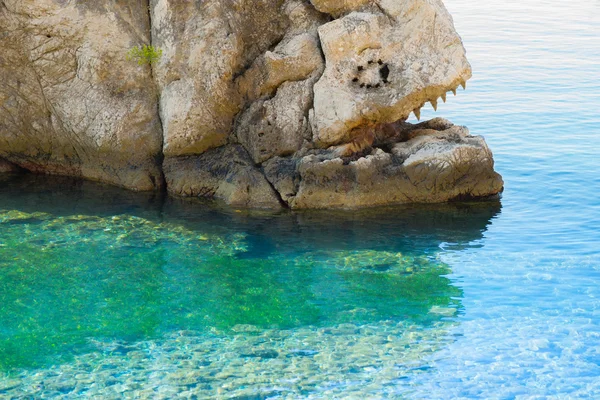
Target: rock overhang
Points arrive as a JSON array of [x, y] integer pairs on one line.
[[383, 63]]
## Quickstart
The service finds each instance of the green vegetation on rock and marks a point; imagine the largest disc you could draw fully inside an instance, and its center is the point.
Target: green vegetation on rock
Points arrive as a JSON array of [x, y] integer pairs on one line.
[[146, 54]]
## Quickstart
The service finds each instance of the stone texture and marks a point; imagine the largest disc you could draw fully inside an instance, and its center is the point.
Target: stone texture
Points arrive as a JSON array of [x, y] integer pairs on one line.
[[279, 89], [260, 101], [70, 102], [207, 45], [6, 166], [294, 59], [438, 162], [226, 173], [277, 126], [382, 65], [339, 7]]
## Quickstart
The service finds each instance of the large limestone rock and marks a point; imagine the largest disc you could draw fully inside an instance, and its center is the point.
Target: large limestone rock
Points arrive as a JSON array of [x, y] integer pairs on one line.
[[383, 64], [256, 102], [244, 77], [70, 102], [430, 163]]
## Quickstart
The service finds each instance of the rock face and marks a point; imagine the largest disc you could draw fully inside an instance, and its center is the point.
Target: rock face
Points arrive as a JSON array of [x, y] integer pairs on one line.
[[6, 167], [260, 103], [207, 45], [427, 163], [224, 173], [384, 64], [70, 102]]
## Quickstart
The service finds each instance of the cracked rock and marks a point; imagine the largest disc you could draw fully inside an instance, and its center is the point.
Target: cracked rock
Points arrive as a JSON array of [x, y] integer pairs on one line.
[[383, 65], [431, 166], [259, 103], [70, 102], [226, 173]]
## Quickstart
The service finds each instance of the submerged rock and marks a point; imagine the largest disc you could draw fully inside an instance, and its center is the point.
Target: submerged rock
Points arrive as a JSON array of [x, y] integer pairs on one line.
[[260, 104], [305, 361]]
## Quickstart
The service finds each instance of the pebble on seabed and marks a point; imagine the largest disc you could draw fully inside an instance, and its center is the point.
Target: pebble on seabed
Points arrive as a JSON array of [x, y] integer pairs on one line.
[[307, 362]]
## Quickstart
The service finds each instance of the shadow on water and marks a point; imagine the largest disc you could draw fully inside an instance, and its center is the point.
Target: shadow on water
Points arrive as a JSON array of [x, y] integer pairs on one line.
[[80, 261], [418, 228]]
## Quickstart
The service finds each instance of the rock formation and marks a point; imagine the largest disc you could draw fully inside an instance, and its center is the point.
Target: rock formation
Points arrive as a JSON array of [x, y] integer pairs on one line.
[[5, 167], [427, 163], [260, 103], [70, 102]]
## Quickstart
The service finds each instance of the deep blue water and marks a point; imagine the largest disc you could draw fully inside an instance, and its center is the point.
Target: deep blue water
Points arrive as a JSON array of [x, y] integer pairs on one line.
[[470, 300]]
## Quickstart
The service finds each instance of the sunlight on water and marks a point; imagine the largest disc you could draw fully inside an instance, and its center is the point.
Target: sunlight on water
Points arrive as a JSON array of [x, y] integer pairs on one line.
[[114, 294], [531, 292], [147, 296], [66, 279]]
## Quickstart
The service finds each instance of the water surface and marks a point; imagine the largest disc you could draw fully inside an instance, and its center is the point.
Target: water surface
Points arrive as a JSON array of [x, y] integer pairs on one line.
[[110, 293]]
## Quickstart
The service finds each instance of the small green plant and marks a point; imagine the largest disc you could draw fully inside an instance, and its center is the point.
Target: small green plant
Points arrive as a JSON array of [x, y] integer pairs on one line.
[[145, 55]]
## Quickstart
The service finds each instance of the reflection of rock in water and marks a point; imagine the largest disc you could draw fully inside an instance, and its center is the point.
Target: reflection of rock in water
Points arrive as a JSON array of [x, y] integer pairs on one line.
[[344, 360], [67, 196], [425, 226], [96, 271], [411, 229], [415, 228]]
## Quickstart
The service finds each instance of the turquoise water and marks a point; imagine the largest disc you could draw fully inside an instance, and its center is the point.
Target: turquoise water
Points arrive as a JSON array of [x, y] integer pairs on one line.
[[113, 294]]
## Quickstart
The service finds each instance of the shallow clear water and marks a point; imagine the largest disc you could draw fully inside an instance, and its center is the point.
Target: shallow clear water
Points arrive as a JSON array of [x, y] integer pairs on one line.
[[120, 295]]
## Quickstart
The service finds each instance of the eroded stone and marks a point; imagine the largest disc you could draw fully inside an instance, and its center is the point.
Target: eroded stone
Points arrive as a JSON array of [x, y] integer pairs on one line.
[[249, 90], [70, 102], [432, 163], [225, 173], [383, 65], [207, 45], [6, 166]]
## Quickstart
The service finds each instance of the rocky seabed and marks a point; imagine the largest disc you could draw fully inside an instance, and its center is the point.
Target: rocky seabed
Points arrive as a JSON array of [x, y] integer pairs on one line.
[[345, 360]]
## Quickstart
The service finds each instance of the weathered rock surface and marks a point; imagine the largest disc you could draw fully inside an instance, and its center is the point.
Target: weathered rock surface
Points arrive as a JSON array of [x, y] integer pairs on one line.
[[434, 162], [256, 102], [70, 102], [278, 126], [226, 173], [339, 7], [5, 166], [207, 45], [383, 65]]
